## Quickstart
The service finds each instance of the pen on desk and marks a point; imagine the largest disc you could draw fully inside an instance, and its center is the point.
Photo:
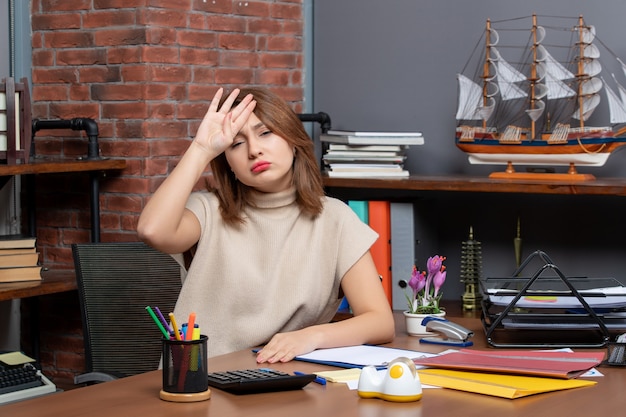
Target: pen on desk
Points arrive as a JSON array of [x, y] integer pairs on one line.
[[318, 379], [175, 326], [158, 322], [160, 315]]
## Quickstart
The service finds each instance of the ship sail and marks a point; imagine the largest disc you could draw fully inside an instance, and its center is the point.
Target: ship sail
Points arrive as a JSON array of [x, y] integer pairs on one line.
[[590, 86], [616, 106], [555, 73], [470, 105], [507, 76]]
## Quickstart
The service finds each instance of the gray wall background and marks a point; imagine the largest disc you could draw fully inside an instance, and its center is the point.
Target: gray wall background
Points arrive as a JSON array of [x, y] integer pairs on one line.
[[392, 65]]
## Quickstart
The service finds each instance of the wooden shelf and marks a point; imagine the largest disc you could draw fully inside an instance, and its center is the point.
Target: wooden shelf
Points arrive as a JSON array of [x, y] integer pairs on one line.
[[604, 186], [43, 165], [52, 282]]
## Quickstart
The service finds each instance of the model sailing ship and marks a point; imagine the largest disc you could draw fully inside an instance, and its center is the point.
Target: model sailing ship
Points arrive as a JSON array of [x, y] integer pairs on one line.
[[538, 111]]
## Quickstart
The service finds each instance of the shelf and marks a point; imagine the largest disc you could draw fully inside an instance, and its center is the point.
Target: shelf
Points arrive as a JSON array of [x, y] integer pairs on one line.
[[52, 282], [43, 165], [604, 186]]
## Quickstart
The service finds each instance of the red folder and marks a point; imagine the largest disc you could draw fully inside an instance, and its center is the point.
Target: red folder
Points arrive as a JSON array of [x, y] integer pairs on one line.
[[555, 364], [380, 221]]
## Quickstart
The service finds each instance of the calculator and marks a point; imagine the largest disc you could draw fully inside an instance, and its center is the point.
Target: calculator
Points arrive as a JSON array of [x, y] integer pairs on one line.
[[252, 381]]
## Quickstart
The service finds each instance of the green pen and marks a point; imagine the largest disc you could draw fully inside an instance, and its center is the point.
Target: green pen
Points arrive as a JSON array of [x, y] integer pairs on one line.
[[158, 323]]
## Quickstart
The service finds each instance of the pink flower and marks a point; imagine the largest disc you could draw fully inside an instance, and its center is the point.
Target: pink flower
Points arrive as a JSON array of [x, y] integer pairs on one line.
[[418, 280], [438, 279], [434, 264], [423, 299]]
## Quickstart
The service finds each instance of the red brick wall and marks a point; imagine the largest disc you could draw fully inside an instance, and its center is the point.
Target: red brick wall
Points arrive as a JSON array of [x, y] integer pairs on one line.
[[144, 70]]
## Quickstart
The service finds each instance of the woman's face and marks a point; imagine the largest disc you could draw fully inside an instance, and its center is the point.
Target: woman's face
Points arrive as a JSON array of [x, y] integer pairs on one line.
[[261, 159]]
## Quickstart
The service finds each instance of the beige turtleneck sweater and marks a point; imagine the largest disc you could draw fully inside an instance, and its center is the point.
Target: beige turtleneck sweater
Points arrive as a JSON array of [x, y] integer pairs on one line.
[[279, 271]]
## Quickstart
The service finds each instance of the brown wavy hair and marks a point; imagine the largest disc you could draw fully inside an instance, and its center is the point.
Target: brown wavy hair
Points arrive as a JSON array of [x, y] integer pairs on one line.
[[280, 119]]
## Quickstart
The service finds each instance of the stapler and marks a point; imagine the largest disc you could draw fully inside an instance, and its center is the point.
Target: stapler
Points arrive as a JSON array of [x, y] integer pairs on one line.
[[455, 334]]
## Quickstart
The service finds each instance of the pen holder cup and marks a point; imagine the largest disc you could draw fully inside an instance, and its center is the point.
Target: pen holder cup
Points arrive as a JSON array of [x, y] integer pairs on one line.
[[616, 354], [185, 370]]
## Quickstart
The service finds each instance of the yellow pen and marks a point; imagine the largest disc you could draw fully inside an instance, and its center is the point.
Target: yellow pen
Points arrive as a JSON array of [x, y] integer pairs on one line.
[[175, 327]]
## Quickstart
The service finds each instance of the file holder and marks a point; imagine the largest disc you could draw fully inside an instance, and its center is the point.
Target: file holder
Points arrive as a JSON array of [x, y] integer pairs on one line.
[[514, 326]]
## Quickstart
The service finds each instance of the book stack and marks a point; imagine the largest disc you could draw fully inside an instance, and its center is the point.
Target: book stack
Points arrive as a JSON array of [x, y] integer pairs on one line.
[[352, 154], [19, 259]]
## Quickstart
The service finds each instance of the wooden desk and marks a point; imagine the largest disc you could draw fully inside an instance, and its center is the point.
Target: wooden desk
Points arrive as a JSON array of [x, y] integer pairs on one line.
[[139, 396]]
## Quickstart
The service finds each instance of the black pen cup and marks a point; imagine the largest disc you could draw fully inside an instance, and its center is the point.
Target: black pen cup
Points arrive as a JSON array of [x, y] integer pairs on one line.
[[185, 370]]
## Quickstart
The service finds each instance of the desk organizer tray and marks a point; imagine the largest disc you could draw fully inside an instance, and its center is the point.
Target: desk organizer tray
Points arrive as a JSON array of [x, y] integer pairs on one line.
[[616, 354], [551, 311]]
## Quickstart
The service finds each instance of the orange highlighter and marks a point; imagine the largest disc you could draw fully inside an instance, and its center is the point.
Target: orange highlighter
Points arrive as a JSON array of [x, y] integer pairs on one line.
[[190, 325]]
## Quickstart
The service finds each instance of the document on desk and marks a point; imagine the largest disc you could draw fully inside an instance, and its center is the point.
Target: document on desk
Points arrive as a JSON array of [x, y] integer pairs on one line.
[[554, 364], [360, 356], [499, 385]]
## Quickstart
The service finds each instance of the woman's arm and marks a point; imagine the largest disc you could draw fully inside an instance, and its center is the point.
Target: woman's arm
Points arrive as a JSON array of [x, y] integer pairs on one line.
[[164, 222], [372, 321]]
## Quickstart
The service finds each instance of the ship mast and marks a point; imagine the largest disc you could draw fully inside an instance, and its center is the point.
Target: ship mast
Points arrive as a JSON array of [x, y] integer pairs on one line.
[[581, 73], [533, 76], [486, 73]]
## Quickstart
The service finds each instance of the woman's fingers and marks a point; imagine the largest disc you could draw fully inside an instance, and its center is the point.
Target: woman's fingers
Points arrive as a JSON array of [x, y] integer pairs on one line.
[[216, 100], [228, 103]]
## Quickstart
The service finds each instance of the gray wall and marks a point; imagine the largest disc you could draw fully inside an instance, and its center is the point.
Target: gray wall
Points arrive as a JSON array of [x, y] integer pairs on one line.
[[392, 65]]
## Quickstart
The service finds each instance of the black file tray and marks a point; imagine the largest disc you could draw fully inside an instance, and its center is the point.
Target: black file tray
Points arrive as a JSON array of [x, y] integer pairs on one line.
[[544, 325]]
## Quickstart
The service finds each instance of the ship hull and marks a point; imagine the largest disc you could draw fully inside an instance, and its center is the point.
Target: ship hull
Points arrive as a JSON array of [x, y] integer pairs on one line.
[[582, 152]]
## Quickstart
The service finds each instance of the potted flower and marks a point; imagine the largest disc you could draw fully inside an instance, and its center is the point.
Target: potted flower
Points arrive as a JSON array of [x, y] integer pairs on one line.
[[425, 294]]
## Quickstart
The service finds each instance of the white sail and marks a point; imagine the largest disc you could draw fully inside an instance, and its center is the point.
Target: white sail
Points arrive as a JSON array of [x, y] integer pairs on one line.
[[552, 66], [621, 89], [589, 97], [588, 34], [592, 68], [507, 76], [470, 99], [556, 88], [617, 110], [536, 113], [589, 104], [591, 51]]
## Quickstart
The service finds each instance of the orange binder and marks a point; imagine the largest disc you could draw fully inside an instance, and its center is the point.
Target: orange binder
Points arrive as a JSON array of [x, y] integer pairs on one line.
[[380, 221]]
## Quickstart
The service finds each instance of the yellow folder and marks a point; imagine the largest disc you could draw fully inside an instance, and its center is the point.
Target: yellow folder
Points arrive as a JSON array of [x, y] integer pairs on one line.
[[499, 385]]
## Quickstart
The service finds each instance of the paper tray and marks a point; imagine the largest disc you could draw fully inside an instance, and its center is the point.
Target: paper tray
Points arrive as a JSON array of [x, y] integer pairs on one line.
[[553, 293], [562, 322]]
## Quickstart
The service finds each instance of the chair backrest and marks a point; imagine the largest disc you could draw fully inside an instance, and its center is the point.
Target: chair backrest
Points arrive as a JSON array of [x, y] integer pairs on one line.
[[116, 281]]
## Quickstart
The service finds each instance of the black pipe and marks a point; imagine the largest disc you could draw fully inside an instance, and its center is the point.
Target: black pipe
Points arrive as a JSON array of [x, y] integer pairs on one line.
[[89, 126], [322, 118]]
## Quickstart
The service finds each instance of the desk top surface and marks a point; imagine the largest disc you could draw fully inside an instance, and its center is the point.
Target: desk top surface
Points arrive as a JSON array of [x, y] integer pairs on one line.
[[139, 395]]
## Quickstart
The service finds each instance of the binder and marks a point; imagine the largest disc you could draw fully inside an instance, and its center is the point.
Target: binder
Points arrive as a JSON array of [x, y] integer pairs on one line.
[[498, 385], [402, 251], [551, 364], [360, 208], [379, 220]]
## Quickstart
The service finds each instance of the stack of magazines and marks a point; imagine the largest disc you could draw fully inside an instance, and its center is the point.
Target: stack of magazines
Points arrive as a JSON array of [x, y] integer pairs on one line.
[[352, 154]]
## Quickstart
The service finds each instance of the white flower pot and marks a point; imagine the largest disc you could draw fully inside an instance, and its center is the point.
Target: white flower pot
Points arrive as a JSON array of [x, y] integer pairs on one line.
[[414, 325]]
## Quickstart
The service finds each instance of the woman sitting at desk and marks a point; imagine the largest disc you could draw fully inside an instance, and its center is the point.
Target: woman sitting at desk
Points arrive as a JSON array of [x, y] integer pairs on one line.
[[274, 255]]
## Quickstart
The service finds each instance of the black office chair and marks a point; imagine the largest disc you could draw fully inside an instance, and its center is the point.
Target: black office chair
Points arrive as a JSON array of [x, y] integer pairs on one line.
[[116, 281]]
